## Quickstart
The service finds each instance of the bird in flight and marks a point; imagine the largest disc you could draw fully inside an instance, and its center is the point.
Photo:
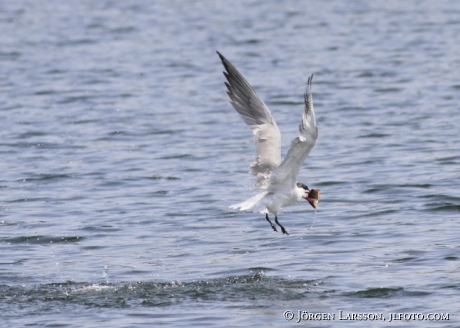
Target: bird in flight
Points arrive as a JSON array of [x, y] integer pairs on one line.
[[277, 179]]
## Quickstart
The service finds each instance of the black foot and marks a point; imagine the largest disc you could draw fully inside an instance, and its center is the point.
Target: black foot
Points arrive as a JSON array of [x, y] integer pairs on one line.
[[282, 228], [273, 226]]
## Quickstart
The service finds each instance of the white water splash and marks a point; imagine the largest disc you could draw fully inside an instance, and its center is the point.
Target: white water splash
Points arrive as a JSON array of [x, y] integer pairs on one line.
[[314, 220]]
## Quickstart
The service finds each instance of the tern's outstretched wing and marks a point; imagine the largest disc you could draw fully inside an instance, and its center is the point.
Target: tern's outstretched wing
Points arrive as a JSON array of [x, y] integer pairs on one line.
[[285, 176], [255, 113]]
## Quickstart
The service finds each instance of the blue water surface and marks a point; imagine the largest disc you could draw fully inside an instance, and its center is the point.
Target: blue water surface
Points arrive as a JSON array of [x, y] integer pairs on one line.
[[120, 156]]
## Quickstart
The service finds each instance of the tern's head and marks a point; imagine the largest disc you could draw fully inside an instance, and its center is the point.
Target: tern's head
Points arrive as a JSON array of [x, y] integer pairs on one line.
[[304, 189], [311, 195]]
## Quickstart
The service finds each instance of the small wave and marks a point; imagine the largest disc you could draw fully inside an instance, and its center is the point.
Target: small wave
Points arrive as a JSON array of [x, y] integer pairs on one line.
[[42, 240], [376, 293]]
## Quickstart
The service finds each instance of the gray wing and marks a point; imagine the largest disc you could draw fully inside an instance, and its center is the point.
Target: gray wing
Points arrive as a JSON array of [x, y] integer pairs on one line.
[[255, 113], [285, 176]]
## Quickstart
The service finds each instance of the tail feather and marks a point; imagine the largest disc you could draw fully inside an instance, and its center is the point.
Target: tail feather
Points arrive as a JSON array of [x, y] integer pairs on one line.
[[252, 204]]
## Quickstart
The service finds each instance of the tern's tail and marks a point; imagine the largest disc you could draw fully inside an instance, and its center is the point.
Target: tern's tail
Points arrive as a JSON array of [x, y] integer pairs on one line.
[[253, 204]]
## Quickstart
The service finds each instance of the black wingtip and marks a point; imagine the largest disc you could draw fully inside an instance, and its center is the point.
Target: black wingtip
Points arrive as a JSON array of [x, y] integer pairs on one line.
[[307, 93], [224, 62], [222, 58], [308, 86]]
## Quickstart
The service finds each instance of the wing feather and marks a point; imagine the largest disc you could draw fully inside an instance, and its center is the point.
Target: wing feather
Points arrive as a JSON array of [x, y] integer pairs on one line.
[[255, 113], [285, 176]]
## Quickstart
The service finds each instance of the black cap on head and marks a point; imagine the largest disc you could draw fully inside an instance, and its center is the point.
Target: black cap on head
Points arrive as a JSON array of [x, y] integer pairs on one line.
[[301, 185]]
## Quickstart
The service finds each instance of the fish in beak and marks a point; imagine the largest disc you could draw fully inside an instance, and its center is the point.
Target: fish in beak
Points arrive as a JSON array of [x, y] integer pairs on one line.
[[313, 197]]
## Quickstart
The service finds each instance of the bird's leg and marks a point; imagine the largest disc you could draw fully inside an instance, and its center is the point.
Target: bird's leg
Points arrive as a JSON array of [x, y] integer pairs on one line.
[[282, 228], [273, 226]]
